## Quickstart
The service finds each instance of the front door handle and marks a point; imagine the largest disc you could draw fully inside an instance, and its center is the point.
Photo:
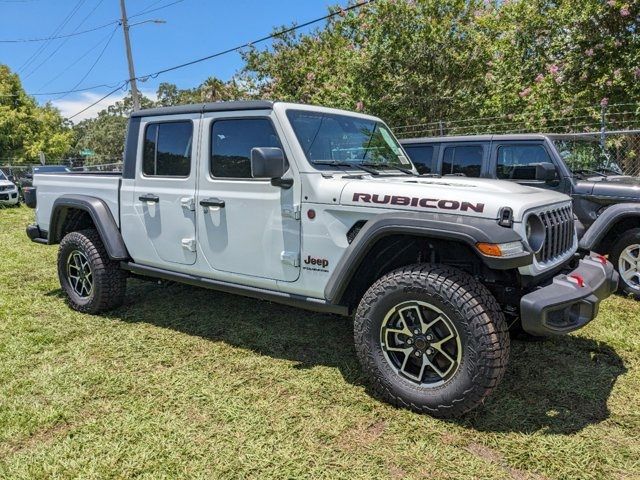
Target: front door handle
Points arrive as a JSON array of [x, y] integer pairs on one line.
[[212, 202], [149, 197]]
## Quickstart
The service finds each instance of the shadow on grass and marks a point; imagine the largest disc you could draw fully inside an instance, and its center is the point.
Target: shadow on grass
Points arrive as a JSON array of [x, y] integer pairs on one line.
[[558, 386]]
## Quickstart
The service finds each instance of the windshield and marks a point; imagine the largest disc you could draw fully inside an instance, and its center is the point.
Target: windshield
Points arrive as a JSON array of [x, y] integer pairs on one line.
[[2, 175], [346, 139], [584, 156]]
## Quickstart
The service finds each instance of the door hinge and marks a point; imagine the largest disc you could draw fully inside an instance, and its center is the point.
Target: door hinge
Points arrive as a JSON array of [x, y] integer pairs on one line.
[[290, 258], [188, 202], [189, 244], [292, 212]]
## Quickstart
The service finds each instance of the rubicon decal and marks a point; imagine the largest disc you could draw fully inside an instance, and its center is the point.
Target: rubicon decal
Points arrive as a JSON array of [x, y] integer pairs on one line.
[[436, 203]]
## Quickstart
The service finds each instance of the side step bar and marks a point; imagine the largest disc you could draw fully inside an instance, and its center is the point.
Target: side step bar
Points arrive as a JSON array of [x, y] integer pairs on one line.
[[307, 303]]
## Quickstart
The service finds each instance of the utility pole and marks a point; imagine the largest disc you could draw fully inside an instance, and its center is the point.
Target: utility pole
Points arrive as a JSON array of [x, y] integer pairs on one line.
[[127, 44]]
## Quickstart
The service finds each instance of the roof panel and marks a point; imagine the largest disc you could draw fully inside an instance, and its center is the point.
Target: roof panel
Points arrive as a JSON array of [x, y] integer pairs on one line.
[[205, 107]]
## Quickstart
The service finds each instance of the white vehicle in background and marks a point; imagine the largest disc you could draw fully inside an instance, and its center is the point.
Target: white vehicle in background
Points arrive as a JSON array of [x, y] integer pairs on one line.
[[321, 209], [9, 194]]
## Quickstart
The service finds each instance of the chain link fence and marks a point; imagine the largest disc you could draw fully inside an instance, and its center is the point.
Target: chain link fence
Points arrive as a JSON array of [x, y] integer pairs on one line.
[[623, 147]]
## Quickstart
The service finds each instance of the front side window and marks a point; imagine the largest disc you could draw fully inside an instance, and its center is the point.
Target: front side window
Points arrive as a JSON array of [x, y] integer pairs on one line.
[[421, 156], [586, 157], [345, 139], [232, 141], [518, 162], [462, 160], [167, 149]]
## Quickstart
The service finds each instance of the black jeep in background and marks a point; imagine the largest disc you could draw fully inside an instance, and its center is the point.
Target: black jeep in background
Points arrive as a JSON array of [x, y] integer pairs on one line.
[[606, 202]]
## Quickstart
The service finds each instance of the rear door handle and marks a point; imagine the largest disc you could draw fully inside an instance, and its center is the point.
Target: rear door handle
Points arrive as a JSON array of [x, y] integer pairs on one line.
[[149, 197], [212, 202]]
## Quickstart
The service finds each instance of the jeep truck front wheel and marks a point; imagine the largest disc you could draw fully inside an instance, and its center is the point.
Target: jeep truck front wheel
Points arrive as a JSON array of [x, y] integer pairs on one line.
[[91, 281], [432, 339], [625, 256]]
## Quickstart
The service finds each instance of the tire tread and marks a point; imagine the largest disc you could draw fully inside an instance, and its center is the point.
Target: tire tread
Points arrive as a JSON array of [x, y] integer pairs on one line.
[[484, 316]]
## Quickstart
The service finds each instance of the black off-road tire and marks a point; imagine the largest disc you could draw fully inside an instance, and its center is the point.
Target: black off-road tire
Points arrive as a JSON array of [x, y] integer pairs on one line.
[[632, 237], [109, 281], [479, 322]]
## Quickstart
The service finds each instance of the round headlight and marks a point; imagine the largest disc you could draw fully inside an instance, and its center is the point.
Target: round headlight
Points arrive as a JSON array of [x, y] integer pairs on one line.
[[535, 232]]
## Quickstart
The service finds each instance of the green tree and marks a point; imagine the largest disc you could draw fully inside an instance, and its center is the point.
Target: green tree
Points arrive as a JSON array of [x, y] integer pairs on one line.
[[211, 90], [27, 129], [105, 134], [518, 63]]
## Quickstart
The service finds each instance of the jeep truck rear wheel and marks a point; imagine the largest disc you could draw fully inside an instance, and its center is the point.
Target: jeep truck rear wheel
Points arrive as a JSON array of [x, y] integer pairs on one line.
[[432, 339], [91, 281]]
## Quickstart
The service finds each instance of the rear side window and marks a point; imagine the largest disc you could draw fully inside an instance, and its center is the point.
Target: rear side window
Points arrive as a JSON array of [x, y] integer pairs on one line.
[[517, 162], [232, 141], [167, 149], [465, 160], [421, 156]]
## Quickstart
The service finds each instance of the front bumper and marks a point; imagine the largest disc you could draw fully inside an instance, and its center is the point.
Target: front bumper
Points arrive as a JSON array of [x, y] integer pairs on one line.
[[570, 301], [9, 197]]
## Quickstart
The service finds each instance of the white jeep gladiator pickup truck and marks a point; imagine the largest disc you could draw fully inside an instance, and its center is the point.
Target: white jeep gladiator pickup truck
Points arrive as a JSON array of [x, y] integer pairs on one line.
[[321, 209]]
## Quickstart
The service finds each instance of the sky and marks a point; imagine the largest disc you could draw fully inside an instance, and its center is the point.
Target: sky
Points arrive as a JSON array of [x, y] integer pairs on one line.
[[193, 29]]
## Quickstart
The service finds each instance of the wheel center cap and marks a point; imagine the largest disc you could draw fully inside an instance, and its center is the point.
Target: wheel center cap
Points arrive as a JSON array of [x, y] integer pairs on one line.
[[420, 343]]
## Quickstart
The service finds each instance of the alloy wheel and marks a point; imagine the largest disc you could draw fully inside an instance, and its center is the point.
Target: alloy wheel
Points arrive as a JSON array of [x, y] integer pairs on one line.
[[421, 343], [629, 266], [80, 274]]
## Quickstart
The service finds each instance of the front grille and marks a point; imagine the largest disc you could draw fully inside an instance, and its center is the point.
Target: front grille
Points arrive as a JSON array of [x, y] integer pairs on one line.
[[4, 196], [559, 227], [5, 187]]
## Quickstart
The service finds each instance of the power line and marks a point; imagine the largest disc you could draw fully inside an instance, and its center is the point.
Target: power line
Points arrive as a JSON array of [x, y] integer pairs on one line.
[[72, 64], [259, 40], [98, 101], [84, 89], [93, 65], [230, 50], [149, 9], [55, 36], [58, 29], [62, 44]]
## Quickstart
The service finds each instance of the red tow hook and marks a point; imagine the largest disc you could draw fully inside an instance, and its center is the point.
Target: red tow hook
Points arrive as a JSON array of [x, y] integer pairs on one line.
[[602, 258], [579, 279]]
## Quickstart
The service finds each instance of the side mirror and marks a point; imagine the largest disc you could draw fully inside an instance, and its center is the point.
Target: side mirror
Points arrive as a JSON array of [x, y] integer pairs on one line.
[[545, 172], [268, 162]]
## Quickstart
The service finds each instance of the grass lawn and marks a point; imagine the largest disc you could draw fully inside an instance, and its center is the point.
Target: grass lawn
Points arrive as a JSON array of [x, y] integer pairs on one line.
[[186, 382]]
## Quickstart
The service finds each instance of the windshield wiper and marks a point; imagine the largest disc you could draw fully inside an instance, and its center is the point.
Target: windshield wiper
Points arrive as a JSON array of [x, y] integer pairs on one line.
[[392, 167], [583, 171], [335, 163], [407, 171]]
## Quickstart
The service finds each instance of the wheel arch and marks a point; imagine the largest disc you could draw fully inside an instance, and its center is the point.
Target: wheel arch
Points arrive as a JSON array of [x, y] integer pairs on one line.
[[389, 241], [77, 212], [614, 221]]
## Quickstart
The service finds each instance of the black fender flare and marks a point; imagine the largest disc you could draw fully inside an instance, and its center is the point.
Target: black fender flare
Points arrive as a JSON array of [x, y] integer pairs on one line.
[[603, 224], [467, 230], [102, 219]]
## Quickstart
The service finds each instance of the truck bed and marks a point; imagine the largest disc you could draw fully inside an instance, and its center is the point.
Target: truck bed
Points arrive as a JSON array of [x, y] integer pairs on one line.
[[50, 186]]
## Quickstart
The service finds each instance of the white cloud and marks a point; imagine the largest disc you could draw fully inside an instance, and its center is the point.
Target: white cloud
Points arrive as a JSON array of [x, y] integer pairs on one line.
[[72, 106]]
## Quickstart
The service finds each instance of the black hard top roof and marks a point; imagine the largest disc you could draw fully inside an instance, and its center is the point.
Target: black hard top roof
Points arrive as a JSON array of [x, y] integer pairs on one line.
[[205, 107]]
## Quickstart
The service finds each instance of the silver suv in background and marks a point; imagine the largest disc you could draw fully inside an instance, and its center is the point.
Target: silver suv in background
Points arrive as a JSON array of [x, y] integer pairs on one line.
[[9, 194]]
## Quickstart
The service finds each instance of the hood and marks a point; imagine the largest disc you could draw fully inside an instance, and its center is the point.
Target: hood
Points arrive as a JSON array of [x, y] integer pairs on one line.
[[617, 186], [458, 195], [6, 183]]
